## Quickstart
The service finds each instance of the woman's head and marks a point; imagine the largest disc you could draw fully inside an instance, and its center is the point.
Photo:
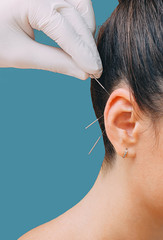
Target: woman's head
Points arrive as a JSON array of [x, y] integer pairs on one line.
[[130, 44]]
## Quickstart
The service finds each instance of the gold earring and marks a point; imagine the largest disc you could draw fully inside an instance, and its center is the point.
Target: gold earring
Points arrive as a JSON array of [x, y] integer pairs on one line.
[[125, 153]]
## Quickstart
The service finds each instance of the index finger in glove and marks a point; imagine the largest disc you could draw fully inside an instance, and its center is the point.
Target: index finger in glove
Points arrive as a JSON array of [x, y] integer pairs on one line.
[[62, 31], [85, 8]]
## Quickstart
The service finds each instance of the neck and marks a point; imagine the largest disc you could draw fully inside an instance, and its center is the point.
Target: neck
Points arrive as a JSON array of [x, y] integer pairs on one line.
[[113, 210]]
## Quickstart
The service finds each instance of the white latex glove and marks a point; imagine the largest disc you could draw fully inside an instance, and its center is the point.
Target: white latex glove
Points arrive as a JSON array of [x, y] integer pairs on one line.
[[70, 23]]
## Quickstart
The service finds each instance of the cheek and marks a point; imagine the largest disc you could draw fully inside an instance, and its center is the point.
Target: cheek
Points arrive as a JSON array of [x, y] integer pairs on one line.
[[148, 172]]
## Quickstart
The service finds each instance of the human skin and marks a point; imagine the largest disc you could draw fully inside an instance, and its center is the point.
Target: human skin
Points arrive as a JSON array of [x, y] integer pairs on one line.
[[125, 202]]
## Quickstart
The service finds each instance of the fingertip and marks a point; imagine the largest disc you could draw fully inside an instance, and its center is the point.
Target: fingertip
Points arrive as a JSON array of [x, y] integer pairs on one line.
[[77, 72], [83, 76], [97, 69], [97, 74]]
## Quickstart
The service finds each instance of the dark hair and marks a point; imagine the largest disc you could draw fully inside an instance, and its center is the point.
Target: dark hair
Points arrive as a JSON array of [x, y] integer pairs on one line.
[[130, 45]]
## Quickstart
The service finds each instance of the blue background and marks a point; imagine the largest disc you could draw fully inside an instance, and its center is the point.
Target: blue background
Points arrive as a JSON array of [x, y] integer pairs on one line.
[[45, 168]]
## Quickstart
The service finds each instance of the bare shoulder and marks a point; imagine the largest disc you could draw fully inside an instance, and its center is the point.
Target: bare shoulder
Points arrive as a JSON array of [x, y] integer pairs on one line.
[[57, 229]]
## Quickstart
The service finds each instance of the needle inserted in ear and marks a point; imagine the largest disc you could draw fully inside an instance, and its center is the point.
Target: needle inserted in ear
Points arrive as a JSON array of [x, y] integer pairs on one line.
[[96, 143], [97, 119], [102, 115], [93, 122]]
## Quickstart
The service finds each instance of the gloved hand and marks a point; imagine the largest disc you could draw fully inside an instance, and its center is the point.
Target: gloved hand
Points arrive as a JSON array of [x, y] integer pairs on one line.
[[70, 23]]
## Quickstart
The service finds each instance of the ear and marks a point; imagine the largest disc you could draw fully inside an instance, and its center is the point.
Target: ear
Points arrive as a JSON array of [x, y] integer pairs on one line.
[[121, 125]]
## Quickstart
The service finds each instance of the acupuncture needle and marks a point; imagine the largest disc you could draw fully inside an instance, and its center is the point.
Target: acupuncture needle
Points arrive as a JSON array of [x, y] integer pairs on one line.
[[102, 115], [101, 85], [95, 143], [93, 122], [96, 119]]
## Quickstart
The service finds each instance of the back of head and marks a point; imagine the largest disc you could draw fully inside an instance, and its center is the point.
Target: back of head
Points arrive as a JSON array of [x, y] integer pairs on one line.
[[130, 45]]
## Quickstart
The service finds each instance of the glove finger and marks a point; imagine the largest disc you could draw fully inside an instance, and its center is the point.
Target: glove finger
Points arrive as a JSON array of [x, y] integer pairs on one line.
[[39, 56], [85, 8], [79, 26], [62, 32]]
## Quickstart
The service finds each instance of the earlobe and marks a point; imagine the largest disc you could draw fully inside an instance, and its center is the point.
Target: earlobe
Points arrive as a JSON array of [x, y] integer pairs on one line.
[[120, 122]]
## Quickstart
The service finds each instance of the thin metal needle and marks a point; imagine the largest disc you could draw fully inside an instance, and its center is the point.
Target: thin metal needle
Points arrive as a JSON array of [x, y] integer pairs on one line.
[[93, 122], [102, 115], [95, 143], [101, 85], [96, 119]]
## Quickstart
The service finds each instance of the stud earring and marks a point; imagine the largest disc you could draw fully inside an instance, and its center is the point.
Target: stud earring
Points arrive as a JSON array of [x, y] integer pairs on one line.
[[125, 153]]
